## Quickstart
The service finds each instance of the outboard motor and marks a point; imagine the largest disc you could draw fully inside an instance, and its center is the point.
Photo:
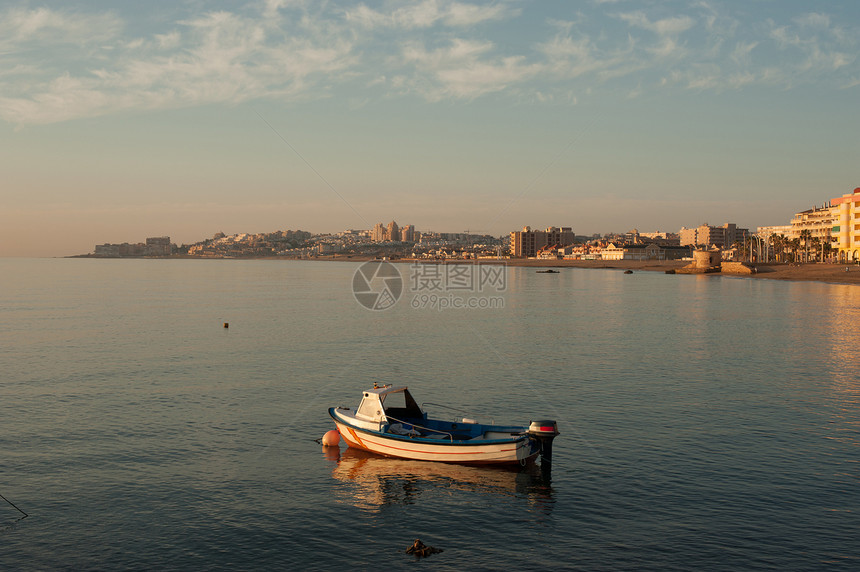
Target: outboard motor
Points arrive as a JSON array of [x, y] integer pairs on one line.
[[544, 432]]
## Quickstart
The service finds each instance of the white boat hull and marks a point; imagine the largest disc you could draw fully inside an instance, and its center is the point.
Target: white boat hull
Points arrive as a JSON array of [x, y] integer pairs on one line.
[[519, 450]]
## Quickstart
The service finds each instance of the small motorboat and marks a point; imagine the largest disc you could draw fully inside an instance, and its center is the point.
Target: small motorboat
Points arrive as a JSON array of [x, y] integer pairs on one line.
[[550, 271], [389, 422]]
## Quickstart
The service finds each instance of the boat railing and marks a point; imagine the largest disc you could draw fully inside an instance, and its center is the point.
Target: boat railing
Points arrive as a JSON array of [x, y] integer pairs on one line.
[[413, 425], [492, 421]]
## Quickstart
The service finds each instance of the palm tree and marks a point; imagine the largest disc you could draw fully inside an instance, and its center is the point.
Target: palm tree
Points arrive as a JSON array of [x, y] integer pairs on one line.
[[740, 247], [805, 236], [794, 244], [816, 249], [826, 250], [778, 243]]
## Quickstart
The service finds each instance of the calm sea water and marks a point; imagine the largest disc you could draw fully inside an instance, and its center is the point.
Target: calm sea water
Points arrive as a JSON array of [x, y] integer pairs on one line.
[[707, 423]]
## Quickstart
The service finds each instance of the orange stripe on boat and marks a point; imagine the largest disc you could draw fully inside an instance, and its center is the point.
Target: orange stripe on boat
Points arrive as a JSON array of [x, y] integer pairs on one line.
[[425, 452], [348, 434], [354, 436]]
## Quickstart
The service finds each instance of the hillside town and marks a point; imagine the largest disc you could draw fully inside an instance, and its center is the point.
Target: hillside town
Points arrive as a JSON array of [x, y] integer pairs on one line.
[[829, 233]]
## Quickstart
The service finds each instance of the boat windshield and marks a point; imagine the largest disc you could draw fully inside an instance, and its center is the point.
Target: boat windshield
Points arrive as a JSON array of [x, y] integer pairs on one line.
[[401, 405]]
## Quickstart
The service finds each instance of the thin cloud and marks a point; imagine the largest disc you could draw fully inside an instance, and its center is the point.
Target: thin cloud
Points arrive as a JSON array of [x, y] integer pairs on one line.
[[428, 13], [61, 64], [814, 20], [22, 27], [661, 27], [815, 46], [217, 57], [464, 69], [571, 55], [741, 54], [667, 48]]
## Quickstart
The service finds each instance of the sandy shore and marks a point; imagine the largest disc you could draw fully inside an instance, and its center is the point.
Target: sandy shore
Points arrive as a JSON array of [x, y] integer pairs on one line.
[[831, 273]]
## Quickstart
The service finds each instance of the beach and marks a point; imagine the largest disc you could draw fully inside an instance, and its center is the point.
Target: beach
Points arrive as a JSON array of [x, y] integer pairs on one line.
[[812, 272]]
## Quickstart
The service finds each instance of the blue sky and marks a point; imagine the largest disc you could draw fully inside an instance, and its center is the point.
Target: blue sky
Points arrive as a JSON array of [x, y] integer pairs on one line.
[[121, 120]]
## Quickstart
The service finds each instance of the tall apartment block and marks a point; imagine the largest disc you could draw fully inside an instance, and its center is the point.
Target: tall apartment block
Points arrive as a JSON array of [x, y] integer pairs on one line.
[[847, 226], [706, 235], [527, 242]]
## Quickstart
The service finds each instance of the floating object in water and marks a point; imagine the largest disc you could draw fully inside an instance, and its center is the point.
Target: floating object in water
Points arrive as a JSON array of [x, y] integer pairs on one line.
[[389, 422], [628, 272], [331, 439], [420, 550], [226, 325], [550, 271]]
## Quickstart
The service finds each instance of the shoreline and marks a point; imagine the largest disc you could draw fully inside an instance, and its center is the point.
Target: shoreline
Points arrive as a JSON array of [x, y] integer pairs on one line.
[[809, 272]]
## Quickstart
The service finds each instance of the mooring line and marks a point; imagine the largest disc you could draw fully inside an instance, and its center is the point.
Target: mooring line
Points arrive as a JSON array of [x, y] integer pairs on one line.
[[13, 506]]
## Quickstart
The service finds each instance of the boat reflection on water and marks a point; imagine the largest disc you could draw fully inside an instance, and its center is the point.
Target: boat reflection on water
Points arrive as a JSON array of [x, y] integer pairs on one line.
[[331, 453], [383, 481]]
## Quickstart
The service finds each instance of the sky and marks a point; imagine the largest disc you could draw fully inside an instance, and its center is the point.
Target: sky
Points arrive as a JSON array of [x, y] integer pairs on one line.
[[124, 120]]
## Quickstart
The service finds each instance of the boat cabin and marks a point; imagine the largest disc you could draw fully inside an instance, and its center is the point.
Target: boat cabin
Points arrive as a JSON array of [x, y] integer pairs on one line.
[[380, 403]]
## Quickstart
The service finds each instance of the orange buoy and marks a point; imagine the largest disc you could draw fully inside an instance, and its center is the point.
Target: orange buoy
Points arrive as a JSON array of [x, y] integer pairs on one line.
[[331, 439]]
